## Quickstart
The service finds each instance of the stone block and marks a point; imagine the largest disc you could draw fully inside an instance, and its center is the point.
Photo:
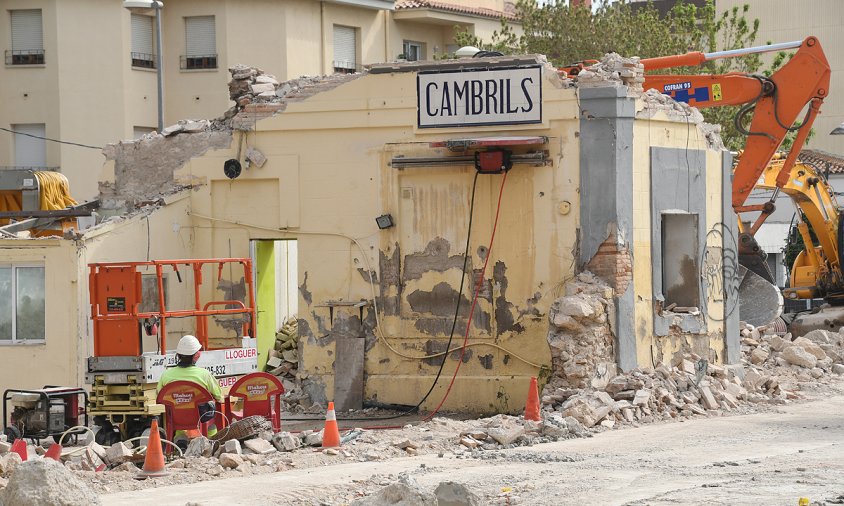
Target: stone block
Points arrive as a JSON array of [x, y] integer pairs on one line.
[[118, 453], [285, 442], [259, 445], [230, 460], [199, 447], [797, 355], [811, 347], [232, 446]]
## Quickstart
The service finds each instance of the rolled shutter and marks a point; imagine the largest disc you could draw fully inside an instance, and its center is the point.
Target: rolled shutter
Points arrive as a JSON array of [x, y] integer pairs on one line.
[[30, 151], [142, 34], [345, 47], [201, 36], [27, 33]]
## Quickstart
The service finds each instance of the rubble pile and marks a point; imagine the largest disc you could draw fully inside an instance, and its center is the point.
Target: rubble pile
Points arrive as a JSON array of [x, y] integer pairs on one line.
[[44, 481], [773, 370], [250, 85], [653, 102], [613, 67], [581, 341], [283, 361]]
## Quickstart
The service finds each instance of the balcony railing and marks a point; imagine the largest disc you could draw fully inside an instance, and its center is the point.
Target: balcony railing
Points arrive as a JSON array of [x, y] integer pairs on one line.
[[25, 57], [143, 60], [346, 67], [198, 62]]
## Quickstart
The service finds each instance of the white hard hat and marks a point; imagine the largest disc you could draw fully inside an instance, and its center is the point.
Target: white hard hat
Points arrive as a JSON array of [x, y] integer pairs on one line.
[[188, 346]]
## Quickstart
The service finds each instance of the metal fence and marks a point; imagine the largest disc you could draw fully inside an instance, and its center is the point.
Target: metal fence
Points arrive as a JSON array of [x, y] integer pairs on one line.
[[25, 57], [198, 62], [143, 60]]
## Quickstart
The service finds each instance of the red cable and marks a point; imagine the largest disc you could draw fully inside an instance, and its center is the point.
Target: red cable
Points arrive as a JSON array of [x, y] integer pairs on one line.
[[474, 302], [469, 322]]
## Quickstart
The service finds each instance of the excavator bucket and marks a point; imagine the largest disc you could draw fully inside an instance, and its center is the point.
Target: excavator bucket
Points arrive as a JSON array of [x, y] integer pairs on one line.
[[760, 301]]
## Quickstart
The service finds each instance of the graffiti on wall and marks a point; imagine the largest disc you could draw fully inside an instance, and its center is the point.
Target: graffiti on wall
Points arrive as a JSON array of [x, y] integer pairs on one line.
[[719, 272]]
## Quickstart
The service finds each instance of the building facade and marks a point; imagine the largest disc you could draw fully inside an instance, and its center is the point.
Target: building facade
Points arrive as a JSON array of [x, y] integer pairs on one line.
[[84, 71]]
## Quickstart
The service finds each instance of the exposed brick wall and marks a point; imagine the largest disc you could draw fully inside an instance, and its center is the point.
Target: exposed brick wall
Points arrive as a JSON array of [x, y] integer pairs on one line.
[[613, 263]]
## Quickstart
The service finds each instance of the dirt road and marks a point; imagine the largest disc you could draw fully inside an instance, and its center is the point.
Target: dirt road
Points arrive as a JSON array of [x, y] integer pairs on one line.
[[769, 458]]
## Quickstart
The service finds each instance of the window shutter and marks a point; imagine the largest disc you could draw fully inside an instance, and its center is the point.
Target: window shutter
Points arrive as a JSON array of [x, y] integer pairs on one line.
[[142, 34], [201, 37], [29, 151], [344, 47], [26, 30]]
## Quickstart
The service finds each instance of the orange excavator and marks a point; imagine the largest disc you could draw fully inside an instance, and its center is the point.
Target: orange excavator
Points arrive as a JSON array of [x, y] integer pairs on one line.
[[776, 103]]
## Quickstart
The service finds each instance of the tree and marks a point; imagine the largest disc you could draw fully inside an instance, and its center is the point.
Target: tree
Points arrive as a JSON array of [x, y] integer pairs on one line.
[[569, 34]]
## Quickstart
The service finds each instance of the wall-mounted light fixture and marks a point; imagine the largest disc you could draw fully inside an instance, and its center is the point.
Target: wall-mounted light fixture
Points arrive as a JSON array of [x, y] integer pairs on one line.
[[385, 221], [232, 168]]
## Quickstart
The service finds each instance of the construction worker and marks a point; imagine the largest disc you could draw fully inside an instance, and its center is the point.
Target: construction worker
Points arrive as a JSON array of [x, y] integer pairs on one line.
[[187, 353]]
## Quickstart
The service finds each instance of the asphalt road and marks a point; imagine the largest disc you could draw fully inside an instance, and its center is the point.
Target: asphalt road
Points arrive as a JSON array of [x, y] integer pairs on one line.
[[769, 458]]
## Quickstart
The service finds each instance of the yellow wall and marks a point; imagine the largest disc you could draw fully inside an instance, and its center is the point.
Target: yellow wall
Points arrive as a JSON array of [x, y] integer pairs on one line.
[[62, 360], [327, 177], [660, 131]]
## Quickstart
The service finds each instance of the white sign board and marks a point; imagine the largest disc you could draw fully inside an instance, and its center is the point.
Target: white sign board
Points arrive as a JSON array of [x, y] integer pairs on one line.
[[479, 97]]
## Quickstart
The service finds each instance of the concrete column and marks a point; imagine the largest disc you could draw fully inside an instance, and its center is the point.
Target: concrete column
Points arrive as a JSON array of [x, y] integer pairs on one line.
[[606, 202], [730, 248]]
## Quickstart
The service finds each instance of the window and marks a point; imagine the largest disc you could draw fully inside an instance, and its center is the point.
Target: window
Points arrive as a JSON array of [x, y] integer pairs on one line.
[[680, 269], [345, 49], [22, 308], [30, 146], [201, 43], [27, 38], [413, 51], [143, 52]]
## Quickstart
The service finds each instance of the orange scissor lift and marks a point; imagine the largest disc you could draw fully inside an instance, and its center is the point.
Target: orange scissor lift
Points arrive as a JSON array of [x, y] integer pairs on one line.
[[122, 374]]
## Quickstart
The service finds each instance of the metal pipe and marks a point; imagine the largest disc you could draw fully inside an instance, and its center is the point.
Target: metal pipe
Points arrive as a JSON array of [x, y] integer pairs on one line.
[[782, 46], [159, 64]]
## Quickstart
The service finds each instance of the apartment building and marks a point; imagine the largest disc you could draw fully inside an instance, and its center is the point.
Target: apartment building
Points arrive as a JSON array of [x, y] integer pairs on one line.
[[85, 71]]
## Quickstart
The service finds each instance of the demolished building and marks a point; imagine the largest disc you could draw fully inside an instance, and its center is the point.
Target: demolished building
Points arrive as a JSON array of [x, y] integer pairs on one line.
[[374, 176]]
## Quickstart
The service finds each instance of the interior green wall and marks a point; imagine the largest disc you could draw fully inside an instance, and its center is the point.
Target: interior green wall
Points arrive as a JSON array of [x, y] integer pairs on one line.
[[265, 288]]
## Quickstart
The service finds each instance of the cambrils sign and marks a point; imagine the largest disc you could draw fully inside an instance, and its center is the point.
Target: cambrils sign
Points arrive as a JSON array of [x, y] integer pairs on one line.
[[479, 97]]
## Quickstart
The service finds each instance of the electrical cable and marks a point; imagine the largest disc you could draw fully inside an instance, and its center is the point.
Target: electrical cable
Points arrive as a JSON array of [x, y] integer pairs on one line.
[[49, 139], [453, 322], [474, 301], [377, 329]]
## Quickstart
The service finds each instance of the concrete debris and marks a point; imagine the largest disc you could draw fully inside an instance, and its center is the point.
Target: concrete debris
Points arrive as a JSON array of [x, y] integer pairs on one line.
[[118, 453], [259, 446], [199, 447], [44, 481], [250, 89], [405, 492], [285, 442], [8, 463], [232, 446], [797, 355], [230, 460], [580, 337], [654, 102], [614, 70], [450, 493], [255, 157]]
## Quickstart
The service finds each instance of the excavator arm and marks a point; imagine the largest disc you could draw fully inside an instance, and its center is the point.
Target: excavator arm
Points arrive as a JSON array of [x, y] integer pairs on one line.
[[776, 102]]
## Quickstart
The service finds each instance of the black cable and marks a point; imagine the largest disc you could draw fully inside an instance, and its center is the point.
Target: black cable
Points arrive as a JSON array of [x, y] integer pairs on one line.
[[450, 337], [51, 140]]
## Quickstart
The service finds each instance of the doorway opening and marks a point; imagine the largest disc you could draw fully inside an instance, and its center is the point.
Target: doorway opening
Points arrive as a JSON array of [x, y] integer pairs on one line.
[[275, 268]]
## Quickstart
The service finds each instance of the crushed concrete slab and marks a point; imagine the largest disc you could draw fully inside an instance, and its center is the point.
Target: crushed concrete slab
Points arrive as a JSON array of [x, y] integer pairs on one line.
[[450, 493], [46, 482], [405, 492]]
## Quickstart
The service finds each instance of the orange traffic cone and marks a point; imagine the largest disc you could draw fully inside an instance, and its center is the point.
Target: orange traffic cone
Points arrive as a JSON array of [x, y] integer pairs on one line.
[[154, 460], [331, 434], [54, 452], [19, 447], [532, 405]]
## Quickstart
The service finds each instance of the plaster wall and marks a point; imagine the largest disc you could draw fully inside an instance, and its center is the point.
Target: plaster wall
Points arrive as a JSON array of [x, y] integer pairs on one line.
[[328, 176], [62, 358], [660, 336]]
